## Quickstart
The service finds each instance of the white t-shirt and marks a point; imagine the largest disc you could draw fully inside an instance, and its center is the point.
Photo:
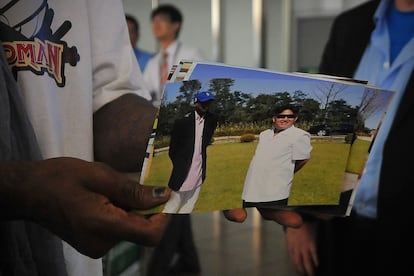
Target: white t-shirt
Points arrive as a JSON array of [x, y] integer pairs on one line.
[[271, 170], [82, 60]]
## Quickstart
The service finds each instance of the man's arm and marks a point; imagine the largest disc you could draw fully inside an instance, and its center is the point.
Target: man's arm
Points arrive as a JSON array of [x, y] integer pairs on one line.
[[85, 203], [121, 132], [302, 249]]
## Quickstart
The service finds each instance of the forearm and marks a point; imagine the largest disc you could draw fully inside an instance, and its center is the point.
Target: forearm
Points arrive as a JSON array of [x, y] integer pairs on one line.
[[121, 132], [79, 202], [301, 244]]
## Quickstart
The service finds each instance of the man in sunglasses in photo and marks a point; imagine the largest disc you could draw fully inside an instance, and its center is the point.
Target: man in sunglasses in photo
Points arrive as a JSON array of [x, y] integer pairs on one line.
[[280, 153]]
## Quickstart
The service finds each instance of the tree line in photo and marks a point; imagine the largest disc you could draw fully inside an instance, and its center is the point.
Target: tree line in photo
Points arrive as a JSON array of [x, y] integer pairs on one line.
[[240, 112]]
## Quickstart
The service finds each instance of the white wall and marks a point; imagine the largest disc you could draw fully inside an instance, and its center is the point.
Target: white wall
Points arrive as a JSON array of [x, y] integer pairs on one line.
[[311, 21], [142, 10], [294, 31], [237, 32], [277, 34]]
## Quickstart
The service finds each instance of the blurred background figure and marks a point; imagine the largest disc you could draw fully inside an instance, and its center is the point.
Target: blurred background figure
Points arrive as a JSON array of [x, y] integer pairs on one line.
[[133, 28], [373, 42], [166, 22]]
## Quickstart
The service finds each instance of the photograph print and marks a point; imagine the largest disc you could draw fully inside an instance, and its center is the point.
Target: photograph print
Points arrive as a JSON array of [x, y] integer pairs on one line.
[[321, 128]]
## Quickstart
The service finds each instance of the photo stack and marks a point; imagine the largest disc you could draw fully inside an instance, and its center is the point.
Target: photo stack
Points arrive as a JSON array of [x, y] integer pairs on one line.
[[230, 137]]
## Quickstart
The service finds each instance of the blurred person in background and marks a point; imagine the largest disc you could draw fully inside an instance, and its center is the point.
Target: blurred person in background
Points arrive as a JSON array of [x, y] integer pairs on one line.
[[166, 22], [134, 34], [374, 42]]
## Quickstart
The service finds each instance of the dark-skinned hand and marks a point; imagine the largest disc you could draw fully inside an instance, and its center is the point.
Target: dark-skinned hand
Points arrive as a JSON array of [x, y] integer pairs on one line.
[[87, 204]]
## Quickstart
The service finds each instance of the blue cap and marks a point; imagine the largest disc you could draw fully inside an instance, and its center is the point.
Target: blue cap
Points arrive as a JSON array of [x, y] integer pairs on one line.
[[204, 96]]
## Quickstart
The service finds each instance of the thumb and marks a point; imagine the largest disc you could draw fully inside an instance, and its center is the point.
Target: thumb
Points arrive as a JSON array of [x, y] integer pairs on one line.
[[145, 196], [235, 215], [283, 217], [126, 192]]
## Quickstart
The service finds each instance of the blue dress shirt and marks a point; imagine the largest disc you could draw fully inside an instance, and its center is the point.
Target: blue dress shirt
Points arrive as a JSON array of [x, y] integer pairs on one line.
[[376, 67], [142, 58]]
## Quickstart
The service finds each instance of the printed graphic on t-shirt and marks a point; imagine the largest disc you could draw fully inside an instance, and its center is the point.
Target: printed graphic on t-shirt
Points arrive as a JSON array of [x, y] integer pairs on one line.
[[31, 44]]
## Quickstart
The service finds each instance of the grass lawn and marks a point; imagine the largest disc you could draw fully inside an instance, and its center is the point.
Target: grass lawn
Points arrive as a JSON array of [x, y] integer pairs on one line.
[[357, 156], [319, 182]]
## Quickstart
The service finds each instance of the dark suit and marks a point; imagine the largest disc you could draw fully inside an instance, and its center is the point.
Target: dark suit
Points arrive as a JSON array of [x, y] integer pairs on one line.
[[354, 246], [178, 237], [182, 146]]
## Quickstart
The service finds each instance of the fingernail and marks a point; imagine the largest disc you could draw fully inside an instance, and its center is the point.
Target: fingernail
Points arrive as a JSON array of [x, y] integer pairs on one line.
[[158, 191]]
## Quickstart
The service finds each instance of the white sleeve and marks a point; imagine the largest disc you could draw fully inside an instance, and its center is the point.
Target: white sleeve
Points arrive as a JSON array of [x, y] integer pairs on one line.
[[115, 68], [302, 147], [191, 53]]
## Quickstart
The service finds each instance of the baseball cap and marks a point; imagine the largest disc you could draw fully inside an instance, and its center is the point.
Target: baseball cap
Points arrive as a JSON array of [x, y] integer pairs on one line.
[[204, 96]]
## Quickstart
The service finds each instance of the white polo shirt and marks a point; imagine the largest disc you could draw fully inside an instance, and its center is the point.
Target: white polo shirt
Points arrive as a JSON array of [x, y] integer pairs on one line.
[[271, 170]]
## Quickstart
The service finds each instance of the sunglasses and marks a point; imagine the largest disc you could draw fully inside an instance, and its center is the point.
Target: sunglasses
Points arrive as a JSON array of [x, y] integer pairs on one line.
[[281, 116]]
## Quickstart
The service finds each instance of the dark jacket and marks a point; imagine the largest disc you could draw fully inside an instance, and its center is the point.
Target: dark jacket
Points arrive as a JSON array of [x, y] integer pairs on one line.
[[349, 37], [182, 146]]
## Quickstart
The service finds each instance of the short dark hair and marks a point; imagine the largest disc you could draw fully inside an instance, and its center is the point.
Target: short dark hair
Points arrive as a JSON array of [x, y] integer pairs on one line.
[[172, 12], [133, 20], [279, 109]]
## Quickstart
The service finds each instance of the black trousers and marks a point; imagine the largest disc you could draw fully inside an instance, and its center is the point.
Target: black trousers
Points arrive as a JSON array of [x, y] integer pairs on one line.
[[177, 241], [357, 246]]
